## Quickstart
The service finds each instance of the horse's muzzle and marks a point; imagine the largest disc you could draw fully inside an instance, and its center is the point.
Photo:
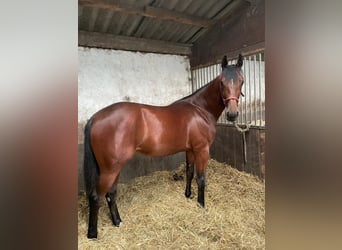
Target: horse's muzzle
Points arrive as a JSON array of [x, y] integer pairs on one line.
[[231, 116], [232, 109]]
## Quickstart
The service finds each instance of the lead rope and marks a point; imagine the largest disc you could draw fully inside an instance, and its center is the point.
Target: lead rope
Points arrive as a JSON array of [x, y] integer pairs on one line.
[[243, 132]]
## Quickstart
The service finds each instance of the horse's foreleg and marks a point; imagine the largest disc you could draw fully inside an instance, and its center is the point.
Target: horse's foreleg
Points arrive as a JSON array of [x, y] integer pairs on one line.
[[111, 200], [201, 185], [201, 159], [189, 173]]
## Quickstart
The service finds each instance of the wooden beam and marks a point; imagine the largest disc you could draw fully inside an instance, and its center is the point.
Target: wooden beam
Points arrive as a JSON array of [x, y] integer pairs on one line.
[[149, 11], [233, 54], [242, 31], [108, 41]]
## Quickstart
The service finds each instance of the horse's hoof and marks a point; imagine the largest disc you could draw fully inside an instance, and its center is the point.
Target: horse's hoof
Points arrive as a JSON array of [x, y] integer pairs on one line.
[[118, 223], [92, 235], [201, 205], [187, 193]]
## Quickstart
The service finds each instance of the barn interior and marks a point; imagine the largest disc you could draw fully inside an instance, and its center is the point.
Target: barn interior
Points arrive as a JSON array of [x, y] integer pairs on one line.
[[158, 51], [200, 32]]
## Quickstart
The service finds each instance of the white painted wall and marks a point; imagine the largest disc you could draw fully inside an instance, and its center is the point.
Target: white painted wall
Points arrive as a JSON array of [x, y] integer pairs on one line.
[[109, 76]]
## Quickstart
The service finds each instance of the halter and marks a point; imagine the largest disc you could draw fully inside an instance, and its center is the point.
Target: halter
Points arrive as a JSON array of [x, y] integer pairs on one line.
[[227, 99]]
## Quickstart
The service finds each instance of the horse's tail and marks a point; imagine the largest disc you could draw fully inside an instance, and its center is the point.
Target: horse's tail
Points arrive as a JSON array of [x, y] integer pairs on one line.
[[90, 166]]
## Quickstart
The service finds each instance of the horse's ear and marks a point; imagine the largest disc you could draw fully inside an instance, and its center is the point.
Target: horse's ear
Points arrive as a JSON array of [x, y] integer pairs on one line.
[[224, 62], [240, 61]]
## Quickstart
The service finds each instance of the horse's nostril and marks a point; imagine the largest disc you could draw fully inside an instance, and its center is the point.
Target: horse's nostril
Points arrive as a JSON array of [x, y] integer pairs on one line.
[[231, 116]]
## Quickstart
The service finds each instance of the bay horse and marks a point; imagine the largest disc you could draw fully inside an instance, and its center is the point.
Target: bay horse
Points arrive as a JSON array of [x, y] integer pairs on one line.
[[115, 133]]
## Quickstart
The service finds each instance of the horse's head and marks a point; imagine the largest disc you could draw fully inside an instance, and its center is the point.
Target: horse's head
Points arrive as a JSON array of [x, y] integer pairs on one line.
[[231, 84]]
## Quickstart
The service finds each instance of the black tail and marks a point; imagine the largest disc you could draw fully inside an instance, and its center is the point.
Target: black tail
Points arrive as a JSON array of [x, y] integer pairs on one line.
[[90, 167]]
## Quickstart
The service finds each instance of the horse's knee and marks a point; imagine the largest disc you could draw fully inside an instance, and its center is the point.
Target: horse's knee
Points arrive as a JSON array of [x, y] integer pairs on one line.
[[201, 185], [201, 181]]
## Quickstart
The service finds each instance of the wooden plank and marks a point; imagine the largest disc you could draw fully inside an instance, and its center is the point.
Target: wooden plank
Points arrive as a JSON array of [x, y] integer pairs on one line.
[[108, 41], [92, 20], [149, 11], [228, 147], [177, 17]]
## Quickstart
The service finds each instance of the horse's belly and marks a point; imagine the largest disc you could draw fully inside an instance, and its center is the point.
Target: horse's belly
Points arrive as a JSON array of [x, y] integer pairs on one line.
[[159, 151], [162, 147]]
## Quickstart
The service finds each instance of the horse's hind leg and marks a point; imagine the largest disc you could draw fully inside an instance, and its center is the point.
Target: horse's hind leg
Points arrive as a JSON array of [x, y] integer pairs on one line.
[[111, 201], [189, 172], [95, 198], [94, 205], [111, 191]]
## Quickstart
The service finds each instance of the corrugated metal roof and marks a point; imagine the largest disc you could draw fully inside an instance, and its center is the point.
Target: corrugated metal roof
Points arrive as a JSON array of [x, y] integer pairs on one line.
[[96, 18]]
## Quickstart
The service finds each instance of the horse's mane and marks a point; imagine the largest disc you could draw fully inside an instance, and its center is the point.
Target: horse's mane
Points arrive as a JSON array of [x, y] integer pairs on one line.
[[198, 90]]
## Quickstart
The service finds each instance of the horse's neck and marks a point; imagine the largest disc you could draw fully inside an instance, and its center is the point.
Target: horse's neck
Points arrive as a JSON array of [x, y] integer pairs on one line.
[[209, 99]]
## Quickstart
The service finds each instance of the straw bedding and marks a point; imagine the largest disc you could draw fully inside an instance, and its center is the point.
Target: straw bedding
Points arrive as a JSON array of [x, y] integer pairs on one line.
[[156, 214]]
